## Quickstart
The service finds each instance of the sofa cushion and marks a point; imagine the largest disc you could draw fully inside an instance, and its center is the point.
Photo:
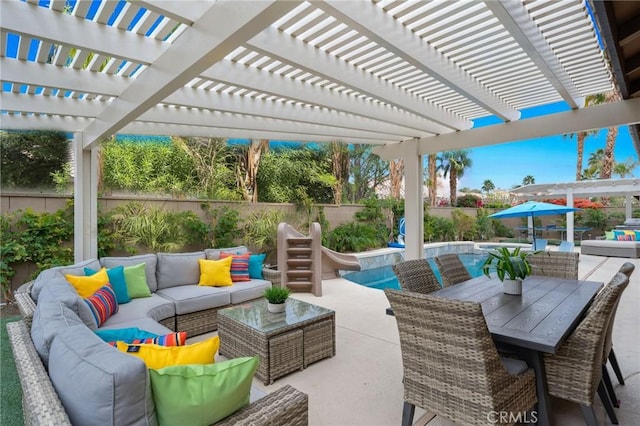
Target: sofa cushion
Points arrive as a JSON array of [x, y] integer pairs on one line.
[[193, 298], [60, 271], [117, 281], [146, 324], [214, 254], [103, 304], [135, 277], [156, 356], [176, 269], [125, 334], [247, 290], [216, 273], [59, 289], [155, 307], [202, 394], [97, 384], [150, 261], [239, 266], [49, 319]]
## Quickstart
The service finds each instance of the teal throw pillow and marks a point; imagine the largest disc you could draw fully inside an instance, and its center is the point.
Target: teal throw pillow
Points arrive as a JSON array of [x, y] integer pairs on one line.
[[117, 281], [136, 279], [202, 394], [127, 335], [255, 265], [637, 235]]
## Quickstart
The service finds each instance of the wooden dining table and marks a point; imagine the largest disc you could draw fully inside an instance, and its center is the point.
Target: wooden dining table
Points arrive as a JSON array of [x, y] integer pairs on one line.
[[532, 324]]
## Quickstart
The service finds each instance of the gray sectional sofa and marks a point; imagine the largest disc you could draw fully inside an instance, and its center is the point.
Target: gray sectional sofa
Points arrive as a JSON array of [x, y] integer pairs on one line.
[[611, 248], [83, 380]]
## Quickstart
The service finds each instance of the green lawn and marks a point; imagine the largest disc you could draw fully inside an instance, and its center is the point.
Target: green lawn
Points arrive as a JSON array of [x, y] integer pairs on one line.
[[10, 390]]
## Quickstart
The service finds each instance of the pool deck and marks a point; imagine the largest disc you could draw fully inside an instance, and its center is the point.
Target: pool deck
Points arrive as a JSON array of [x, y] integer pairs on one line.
[[362, 383]]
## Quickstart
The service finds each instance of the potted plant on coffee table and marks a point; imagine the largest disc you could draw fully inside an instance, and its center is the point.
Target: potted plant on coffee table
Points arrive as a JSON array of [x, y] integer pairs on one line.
[[510, 266], [276, 298]]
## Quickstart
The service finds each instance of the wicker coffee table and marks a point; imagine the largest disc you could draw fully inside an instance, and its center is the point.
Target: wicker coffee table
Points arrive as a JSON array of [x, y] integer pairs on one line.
[[285, 342]]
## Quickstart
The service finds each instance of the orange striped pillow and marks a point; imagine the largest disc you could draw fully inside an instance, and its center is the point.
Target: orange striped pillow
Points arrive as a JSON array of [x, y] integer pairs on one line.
[[239, 266]]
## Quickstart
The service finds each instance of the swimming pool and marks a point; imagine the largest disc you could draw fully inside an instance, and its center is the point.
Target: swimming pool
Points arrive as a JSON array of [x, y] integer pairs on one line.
[[384, 277]]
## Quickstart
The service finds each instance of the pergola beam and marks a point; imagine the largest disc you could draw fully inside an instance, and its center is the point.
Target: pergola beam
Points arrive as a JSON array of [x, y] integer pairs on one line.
[[371, 21]]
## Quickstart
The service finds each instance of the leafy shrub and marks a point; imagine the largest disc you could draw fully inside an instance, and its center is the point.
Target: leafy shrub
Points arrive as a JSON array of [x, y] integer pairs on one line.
[[464, 224], [225, 226], [500, 229], [469, 200], [356, 236], [484, 226], [261, 232]]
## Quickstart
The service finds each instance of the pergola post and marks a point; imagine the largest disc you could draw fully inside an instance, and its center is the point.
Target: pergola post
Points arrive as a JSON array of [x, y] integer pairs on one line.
[[570, 215], [628, 204], [85, 203], [413, 207]]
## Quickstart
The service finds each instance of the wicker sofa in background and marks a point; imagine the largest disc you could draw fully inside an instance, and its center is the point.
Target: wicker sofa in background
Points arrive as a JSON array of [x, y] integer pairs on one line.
[[611, 248], [55, 347]]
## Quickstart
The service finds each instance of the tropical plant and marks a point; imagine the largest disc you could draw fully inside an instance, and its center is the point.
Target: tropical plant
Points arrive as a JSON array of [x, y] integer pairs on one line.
[[396, 173], [469, 200], [625, 169], [612, 134], [355, 236], [432, 180], [339, 153], [225, 225], [453, 164], [464, 225], [488, 186], [247, 164], [367, 172], [276, 294], [261, 232], [528, 180], [581, 136], [508, 264], [484, 226]]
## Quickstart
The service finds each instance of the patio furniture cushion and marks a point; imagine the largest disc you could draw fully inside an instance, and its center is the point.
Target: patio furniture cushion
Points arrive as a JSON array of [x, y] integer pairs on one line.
[[194, 298], [117, 281], [59, 289], [60, 271], [175, 269], [146, 324], [214, 254], [239, 266], [202, 394], [256, 262], [155, 356], [88, 285], [115, 387], [135, 277], [127, 335], [103, 304], [215, 273], [155, 307], [248, 290], [150, 261], [178, 338], [50, 317]]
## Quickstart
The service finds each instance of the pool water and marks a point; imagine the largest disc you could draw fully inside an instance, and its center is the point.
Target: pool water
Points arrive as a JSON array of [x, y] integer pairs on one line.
[[384, 277]]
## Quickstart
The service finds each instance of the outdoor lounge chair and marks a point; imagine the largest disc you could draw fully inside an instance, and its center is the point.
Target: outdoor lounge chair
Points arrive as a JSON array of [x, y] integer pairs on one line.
[[451, 365], [555, 264], [416, 276], [539, 244], [574, 372], [451, 269], [566, 246]]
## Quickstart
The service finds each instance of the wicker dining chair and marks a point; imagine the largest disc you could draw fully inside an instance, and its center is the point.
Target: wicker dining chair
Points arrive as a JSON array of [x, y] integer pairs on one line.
[[608, 353], [416, 276], [451, 365], [451, 269], [574, 372], [555, 264]]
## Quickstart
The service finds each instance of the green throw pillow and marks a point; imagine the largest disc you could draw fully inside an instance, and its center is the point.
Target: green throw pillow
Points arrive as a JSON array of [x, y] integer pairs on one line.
[[136, 280], [609, 235], [202, 394]]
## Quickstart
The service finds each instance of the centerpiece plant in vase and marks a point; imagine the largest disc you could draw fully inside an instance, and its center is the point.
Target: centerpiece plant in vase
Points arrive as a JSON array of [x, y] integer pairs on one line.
[[276, 298], [510, 266]]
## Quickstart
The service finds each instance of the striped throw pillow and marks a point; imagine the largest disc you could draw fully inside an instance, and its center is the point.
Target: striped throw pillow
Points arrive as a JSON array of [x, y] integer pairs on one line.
[[171, 339], [102, 304], [239, 266], [626, 237]]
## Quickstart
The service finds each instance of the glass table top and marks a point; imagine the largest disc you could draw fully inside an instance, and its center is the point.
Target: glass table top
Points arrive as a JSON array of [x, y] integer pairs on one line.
[[255, 314]]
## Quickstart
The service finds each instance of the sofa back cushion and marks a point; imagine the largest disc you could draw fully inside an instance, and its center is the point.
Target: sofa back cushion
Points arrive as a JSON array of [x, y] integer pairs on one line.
[[60, 271], [214, 254], [50, 318], [175, 269], [97, 384], [150, 261], [59, 289]]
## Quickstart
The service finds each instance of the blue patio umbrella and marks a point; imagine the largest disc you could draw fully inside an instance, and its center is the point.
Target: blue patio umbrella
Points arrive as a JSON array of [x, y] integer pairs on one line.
[[533, 208]]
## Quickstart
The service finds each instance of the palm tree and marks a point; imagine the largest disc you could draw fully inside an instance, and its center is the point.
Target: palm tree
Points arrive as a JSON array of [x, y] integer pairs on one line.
[[488, 186], [594, 165], [396, 171], [432, 182], [581, 136], [528, 180], [625, 169], [453, 164], [612, 134]]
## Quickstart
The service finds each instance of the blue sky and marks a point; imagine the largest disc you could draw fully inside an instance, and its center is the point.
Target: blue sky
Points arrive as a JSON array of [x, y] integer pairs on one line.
[[548, 160]]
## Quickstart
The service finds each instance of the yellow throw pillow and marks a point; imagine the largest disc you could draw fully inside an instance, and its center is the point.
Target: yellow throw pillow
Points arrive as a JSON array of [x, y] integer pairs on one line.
[[87, 285], [156, 356], [216, 273]]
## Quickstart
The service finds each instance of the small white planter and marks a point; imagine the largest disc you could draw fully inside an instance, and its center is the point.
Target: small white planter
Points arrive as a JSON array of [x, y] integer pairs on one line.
[[276, 308], [513, 287]]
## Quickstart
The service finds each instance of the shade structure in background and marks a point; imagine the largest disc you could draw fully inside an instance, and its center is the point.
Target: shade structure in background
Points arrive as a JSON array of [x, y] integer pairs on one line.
[[533, 209]]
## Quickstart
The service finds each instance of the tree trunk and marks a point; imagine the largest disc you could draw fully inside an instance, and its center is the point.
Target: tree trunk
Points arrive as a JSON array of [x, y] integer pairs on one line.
[[453, 185], [433, 179], [254, 154], [396, 171], [340, 165], [580, 154]]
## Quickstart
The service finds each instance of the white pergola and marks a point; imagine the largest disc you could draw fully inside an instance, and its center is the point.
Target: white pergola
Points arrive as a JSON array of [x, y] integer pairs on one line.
[[408, 76], [627, 188]]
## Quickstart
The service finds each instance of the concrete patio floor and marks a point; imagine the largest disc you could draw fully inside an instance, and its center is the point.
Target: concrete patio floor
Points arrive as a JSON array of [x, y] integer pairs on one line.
[[362, 384]]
